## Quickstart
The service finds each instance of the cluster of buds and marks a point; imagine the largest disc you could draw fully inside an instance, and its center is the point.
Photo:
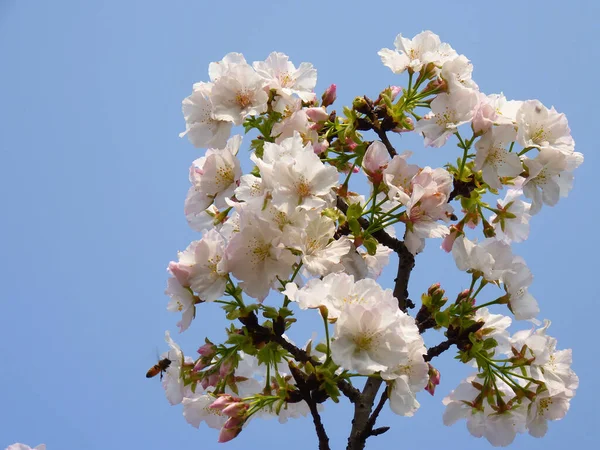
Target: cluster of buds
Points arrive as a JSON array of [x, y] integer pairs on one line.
[[236, 410]]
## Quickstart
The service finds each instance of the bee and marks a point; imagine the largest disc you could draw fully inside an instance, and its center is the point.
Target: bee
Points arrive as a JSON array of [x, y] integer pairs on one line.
[[159, 367]]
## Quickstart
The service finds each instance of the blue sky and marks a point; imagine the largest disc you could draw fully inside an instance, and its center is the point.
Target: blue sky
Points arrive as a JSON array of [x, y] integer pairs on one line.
[[94, 176]]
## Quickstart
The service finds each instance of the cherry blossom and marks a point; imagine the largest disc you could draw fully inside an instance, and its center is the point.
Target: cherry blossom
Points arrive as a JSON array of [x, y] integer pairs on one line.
[[201, 126], [413, 54], [493, 159], [448, 112]]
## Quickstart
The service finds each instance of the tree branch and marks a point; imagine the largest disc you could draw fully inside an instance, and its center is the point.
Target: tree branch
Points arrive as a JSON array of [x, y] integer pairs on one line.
[[461, 339], [300, 355], [321, 434], [371, 422], [361, 424]]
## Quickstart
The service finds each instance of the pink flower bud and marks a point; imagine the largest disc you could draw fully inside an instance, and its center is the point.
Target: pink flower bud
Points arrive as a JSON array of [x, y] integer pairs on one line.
[[317, 114], [395, 91], [237, 409], [351, 144], [321, 147], [199, 366], [223, 401], [231, 429], [329, 96], [485, 116], [434, 379], [208, 350], [375, 161], [225, 369]]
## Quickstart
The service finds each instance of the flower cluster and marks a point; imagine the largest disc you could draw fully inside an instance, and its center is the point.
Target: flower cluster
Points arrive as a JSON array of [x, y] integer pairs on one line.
[[291, 235]]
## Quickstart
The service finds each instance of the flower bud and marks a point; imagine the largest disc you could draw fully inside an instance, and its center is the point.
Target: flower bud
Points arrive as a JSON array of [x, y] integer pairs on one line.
[[376, 159], [208, 350], [225, 369], [434, 379], [230, 429], [329, 96], [462, 296], [317, 114], [236, 409], [321, 147]]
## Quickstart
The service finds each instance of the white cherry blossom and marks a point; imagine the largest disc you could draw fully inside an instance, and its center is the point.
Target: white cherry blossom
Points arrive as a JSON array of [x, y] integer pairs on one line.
[[448, 112], [457, 73], [237, 93], [413, 54], [544, 408], [257, 257], [201, 126], [543, 128], [196, 409], [214, 176], [281, 75], [493, 158]]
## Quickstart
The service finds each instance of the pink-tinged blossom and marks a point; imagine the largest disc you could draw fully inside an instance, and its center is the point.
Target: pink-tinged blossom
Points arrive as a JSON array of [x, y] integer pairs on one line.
[[238, 93], [208, 276], [512, 223], [415, 53], [214, 177], [183, 301], [493, 158], [201, 126], [280, 74], [543, 128], [398, 176], [197, 409], [448, 112], [425, 196], [307, 182], [494, 109], [375, 162], [549, 177], [320, 252], [257, 257], [295, 121]]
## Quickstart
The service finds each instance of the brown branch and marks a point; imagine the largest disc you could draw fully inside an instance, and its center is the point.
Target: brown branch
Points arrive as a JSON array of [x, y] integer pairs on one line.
[[461, 340], [321, 434], [362, 411], [267, 335], [371, 422], [305, 392], [383, 136]]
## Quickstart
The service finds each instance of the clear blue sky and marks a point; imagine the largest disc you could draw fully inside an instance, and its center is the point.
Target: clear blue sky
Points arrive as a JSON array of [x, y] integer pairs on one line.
[[93, 178]]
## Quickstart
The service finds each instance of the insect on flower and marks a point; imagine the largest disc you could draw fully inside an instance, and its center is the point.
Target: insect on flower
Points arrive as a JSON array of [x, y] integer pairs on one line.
[[159, 367]]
